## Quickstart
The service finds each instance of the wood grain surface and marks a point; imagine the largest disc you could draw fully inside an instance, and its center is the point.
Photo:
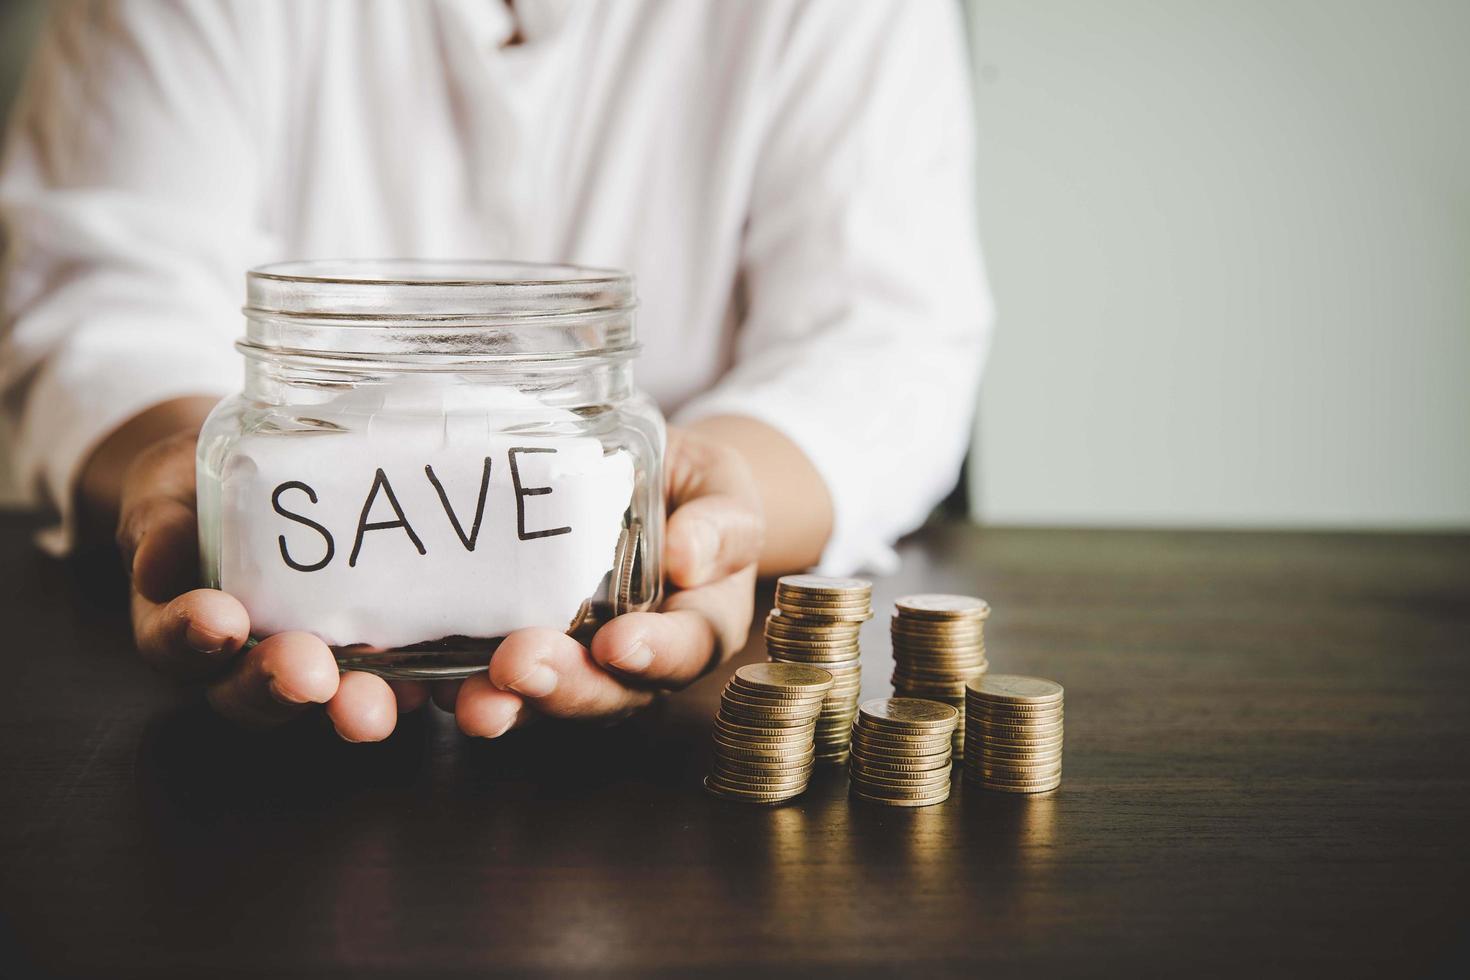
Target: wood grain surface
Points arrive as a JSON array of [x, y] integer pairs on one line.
[[1267, 772]]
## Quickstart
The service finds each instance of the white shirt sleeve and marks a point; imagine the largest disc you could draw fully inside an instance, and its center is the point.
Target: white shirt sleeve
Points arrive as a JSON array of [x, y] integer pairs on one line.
[[129, 200], [868, 315]]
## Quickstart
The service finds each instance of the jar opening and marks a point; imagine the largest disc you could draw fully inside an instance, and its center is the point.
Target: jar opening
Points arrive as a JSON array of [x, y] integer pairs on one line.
[[439, 307]]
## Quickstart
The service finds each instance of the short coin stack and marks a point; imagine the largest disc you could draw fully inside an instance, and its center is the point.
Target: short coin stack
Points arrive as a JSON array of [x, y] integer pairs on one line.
[[763, 734], [816, 621], [939, 647], [901, 751], [1014, 733]]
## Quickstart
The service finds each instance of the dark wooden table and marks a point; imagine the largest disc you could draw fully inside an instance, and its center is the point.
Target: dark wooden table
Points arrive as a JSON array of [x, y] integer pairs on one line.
[[1267, 771]]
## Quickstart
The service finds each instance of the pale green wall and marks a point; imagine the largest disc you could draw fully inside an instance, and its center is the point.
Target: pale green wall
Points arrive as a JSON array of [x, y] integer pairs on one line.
[[1230, 244], [19, 20]]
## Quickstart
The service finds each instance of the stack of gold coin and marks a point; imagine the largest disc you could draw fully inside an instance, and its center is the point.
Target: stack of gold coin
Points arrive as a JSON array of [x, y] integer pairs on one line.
[[763, 735], [816, 621], [901, 751], [1014, 734], [939, 647]]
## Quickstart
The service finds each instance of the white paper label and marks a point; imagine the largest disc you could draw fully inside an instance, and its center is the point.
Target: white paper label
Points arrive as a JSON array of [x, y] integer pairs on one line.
[[409, 531]]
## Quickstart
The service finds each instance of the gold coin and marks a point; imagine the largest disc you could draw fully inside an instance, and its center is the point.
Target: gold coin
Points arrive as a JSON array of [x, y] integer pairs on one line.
[[1009, 728], [780, 619], [1018, 689], [908, 714], [743, 728], [777, 723], [767, 782], [784, 627], [981, 754], [739, 726], [825, 659], [957, 669], [828, 663], [899, 801], [848, 616], [918, 629], [892, 738], [932, 605], [900, 797], [1019, 742], [1000, 731], [912, 747], [737, 775], [901, 750], [920, 764], [952, 676], [1012, 721], [1016, 708], [808, 628], [938, 693], [766, 757], [756, 699], [917, 763], [1012, 707], [1049, 720], [788, 678], [824, 584], [953, 681], [901, 742], [1001, 769], [817, 645], [820, 646], [786, 599], [992, 769], [898, 788], [946, 668], [747, 796], [1035, 788], [897, 777], [728, 784], [734, 773], [770, 709], [744, 702], [736, 770], [772, 697]]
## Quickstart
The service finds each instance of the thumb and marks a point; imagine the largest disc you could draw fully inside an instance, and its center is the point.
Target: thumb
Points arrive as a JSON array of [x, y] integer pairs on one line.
[[717, 527]]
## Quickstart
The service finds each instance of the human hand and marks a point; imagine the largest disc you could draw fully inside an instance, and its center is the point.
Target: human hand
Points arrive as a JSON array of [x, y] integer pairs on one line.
[[198, 634], [712, 542]]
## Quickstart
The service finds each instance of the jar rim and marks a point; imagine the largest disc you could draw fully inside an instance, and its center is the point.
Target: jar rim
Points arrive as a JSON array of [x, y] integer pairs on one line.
[[458, 307], [493, 272]]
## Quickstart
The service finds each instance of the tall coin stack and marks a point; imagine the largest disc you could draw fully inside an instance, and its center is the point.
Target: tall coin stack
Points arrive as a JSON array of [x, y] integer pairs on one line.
[[939, 647], [763, 734], [1015, 733], [816, 621], [901, 751]]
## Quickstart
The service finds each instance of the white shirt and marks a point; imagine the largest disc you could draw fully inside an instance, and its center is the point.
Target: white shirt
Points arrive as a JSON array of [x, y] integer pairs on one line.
[[789, 181]]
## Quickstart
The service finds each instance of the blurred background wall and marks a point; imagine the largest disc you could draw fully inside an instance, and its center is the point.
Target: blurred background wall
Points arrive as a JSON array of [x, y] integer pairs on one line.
[[19, 21], [1230, 245]]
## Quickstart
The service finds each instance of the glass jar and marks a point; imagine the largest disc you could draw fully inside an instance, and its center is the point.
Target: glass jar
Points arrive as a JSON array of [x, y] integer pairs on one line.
[[428, 455]]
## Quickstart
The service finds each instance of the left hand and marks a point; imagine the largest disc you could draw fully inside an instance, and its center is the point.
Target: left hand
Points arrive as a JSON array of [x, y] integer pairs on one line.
[[712, 541]]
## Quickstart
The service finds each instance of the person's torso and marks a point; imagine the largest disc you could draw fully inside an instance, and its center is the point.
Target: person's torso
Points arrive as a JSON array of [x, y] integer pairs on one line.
[[619, 133]]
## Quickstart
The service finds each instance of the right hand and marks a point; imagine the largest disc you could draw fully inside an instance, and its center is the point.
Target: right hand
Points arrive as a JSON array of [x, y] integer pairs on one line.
[[198, 635]]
